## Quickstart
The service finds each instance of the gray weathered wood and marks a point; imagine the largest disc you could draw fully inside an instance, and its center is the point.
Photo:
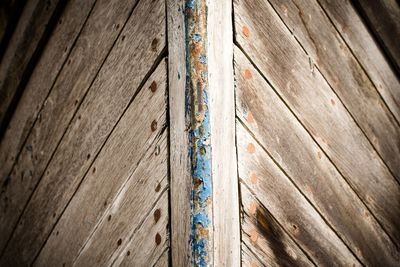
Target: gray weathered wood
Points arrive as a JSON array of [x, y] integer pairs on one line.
[[222, 119], [249, 259], [305, 163], [40, 83], [24, 42], [179, 142], [362, 44], [163, 261], [287, 68], [383, 16], [89, 129], [150, 241], [262, 232], [327, 50], [129, 208], [92, 47]]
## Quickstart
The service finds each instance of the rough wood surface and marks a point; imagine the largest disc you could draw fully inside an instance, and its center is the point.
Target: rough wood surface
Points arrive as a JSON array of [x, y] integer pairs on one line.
[[129, 208], [362, 44], [328, 51], [249, 259], [59, 108], [40, 83], [383, 17], [287, 68], [222, 109], [262, 232], [179, 142], [149, 242], [163, 261], [145, 30], [305, 163], [25, 40]]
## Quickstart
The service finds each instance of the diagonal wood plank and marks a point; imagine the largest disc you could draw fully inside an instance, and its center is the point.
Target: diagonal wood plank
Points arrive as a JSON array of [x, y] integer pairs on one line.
[[148, 243], [319, 110], [123, 216], [310, 25], [289, 144], [90, 128], [264, 234], [249, 259], [383, 17], [59, 108], [40, 83], [30, 32], [163, 261], [362, 44]]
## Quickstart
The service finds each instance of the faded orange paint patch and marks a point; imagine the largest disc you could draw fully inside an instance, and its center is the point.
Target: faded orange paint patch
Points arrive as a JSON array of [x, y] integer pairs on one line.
[[254, 236], [319, 155], [254, 264], [250, 118], [246, 31], [247, 74], [251, 148], [253, 178]]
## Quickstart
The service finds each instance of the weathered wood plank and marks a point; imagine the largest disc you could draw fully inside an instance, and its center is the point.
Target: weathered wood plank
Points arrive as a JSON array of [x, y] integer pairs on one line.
[[90, 128], [30, 30], [262, 232], [383, 17], [362, 44], [309, 24], [40, 83], [286, 66], [130, 207], [305, 163], [150, 240], [163, 261], [84, 62], [180, 185], [248, 258], [222, 119]]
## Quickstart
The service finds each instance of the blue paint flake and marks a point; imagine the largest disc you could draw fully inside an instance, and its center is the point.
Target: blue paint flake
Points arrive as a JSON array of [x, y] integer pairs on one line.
[[203, 59], [196, 37]]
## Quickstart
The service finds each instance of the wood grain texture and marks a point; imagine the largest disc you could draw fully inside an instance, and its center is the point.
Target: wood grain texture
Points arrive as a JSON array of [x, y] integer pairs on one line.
[[126, 213], [262, 232], [287, 68], [59, 108], [39, 85], [249, 259], [150, 241], [90, 128], [163, 261], [305, 163], [179, 142], [85, 215], [363, 46], [328, 51], [383, 17], [223, 147], [25, 40]]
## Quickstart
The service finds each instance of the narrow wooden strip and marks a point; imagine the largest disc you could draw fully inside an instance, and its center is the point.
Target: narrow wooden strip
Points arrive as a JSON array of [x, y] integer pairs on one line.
[[40, 83], [128, 210], [222, 118], [264, 235], [29, 32], [150, 241], [90, 128], [362, 44], [310, 169], [383, 17], [72, 83], [179, 141], [287, 67], [249, 259], [200, 146], [163, 261], [342, 71]]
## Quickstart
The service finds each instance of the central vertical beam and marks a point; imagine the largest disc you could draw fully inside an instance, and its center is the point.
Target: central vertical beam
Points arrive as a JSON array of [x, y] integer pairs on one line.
[[205, 225]]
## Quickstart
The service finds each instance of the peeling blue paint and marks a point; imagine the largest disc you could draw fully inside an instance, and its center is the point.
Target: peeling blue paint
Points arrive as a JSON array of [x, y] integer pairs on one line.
[[197, 111]]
